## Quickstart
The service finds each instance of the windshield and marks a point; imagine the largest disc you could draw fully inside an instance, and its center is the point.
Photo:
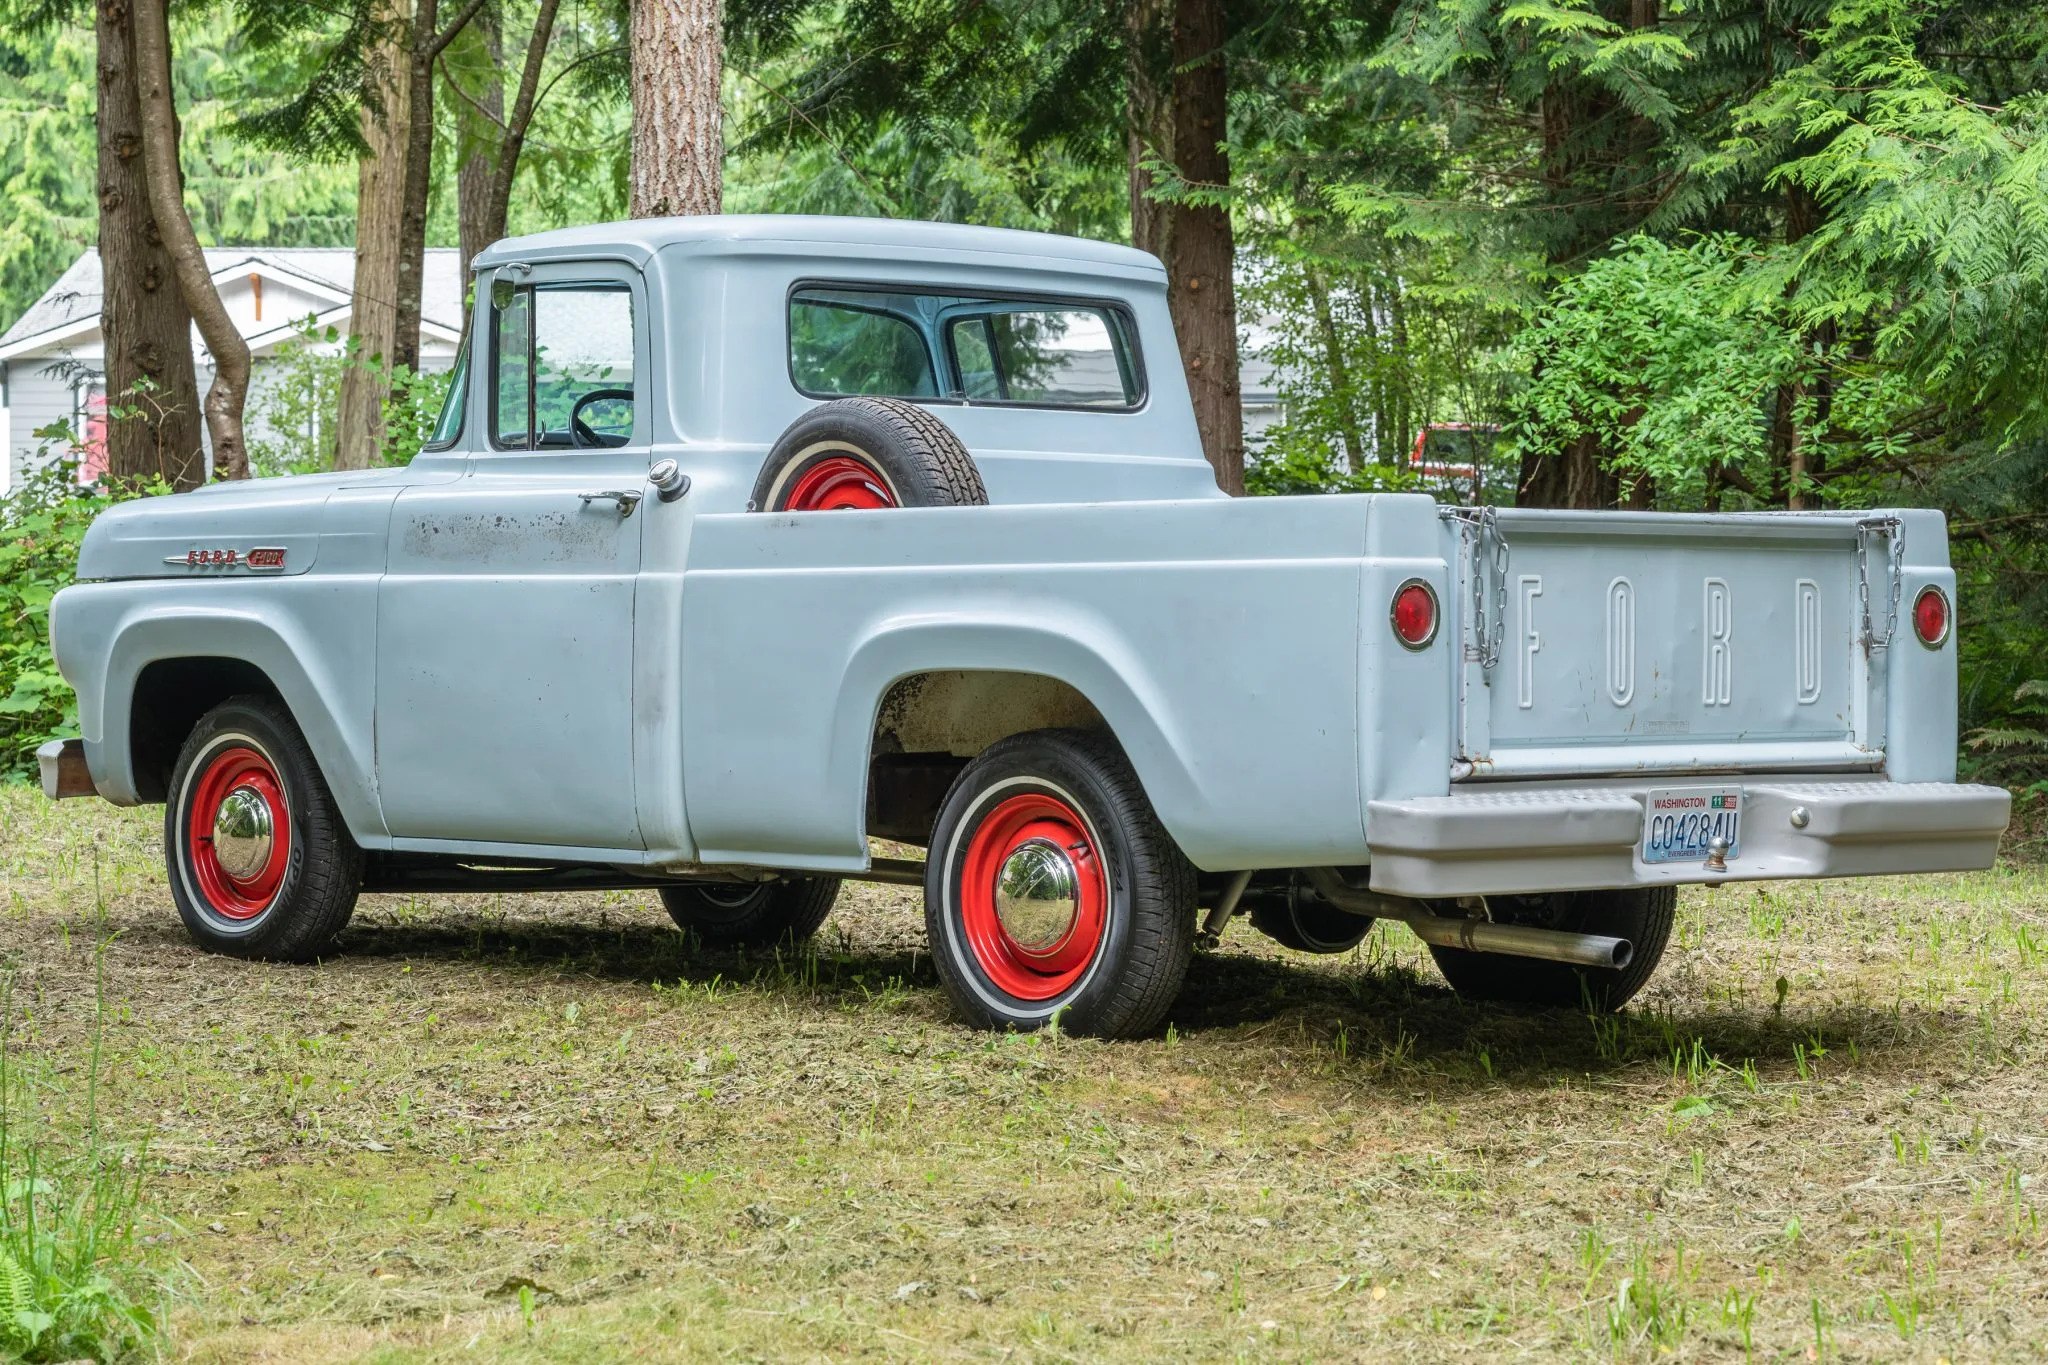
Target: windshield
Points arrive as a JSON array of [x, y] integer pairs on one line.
[[448, 426]]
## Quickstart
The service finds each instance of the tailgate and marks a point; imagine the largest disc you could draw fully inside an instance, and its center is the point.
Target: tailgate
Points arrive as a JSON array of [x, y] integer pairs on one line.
[[1616, 643]]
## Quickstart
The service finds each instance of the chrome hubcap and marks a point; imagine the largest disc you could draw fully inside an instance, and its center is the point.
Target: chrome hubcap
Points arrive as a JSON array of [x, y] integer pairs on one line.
[[242, 833], [1037, 894]]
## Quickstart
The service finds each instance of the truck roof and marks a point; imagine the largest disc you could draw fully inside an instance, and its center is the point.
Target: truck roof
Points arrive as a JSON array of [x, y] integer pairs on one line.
[[638, 239]]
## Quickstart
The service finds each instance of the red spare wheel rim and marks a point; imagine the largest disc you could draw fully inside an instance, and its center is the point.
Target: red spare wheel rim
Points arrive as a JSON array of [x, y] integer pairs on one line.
[[1034, 896], [238, 833], [838, 483]]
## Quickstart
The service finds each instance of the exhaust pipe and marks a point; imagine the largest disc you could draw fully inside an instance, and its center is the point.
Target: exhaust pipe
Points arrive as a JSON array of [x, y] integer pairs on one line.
[[1474, 935]]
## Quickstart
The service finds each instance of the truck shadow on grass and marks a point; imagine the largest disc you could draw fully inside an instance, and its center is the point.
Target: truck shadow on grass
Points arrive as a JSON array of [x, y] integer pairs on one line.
[[1385, 1020]]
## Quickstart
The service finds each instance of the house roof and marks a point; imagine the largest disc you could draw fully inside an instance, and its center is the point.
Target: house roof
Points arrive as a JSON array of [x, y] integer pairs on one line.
[[71, 307]]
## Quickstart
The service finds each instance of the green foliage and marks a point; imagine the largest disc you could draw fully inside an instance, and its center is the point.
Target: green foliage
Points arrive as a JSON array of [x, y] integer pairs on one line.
[[68, 1279], [409, 412], [295, 392], [237, 193], [1659, 354], [42, 523], [293, 396], [1935, 242], [47, 213], [2015, 749]]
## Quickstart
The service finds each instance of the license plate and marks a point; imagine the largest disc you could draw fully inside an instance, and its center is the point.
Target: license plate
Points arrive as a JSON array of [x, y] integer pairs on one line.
[[1681, 823]]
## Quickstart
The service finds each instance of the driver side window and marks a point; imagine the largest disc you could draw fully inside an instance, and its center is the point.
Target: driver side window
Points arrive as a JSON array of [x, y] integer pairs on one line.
[[561, 366]]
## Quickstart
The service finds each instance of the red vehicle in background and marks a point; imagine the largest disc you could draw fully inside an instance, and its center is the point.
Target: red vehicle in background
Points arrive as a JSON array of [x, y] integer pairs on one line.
[[1452, 457]]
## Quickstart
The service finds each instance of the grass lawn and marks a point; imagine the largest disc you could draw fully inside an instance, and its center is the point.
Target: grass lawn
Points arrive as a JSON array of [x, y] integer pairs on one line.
[[537, 1127]]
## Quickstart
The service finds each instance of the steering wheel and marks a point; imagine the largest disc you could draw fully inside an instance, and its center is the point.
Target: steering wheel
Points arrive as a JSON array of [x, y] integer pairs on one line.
[[580, 432]]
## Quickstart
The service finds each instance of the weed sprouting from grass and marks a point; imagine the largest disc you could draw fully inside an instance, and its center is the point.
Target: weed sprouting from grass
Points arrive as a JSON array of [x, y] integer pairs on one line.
[[1738, 1310], [2024, 1218], [1907, 1309], [1650, 1308], [1607, 1035]]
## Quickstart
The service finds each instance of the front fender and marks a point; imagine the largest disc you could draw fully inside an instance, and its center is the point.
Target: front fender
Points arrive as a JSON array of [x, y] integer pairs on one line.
[[317, 654]]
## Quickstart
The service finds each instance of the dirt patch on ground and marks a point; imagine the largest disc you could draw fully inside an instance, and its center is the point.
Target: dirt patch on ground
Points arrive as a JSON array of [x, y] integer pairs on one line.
[[542, 1127]]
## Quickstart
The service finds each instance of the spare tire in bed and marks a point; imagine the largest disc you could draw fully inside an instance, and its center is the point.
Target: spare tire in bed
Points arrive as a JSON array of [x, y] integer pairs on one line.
[[866, 453]]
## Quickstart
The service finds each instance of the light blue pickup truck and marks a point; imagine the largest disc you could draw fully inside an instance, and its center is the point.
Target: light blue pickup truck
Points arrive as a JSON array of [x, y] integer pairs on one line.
[[744, 542]]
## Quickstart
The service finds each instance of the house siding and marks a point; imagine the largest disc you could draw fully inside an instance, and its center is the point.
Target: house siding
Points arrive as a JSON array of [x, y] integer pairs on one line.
[[39, 393]]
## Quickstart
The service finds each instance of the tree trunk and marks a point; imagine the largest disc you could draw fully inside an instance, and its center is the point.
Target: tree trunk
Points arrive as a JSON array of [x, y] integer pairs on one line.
[[143, 319], [1340, 372], [1148, 117], [1795, 459], [1200, 289], [476, 63], [418, 180], [1402, 396], [426, 45], [1381, 451], [499, 203], [380, 210], [678, 116], [230, 388]]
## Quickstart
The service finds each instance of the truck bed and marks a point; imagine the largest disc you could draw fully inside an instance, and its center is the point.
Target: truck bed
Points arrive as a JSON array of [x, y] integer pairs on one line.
[[1240, 652]]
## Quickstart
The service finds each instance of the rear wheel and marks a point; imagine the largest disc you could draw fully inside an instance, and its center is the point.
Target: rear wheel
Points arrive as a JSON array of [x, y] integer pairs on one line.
[[260, 862], [1053, 890], [864, 453], [1642, 915], [752, 914]]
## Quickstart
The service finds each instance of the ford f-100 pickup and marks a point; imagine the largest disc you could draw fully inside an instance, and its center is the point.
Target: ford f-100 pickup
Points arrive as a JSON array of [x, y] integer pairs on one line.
[[744, 542]]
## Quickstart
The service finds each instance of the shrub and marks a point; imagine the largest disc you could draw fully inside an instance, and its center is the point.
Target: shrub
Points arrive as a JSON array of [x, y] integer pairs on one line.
[[41, 524]]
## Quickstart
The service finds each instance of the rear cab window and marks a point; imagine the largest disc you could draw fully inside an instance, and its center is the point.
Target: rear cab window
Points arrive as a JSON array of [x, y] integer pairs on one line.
[[974, 348]]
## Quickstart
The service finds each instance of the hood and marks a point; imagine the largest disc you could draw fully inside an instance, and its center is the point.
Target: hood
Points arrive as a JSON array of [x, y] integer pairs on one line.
[[212, 530]]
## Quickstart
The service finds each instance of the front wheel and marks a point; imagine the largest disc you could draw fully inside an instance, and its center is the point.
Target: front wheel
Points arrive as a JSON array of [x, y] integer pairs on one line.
[[751, 914], [1053, 891], [260, 862], [1643, 916]]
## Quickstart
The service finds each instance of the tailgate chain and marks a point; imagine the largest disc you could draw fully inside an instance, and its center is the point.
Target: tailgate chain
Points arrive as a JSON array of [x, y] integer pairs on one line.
[[1895, 563], [1475, 524]]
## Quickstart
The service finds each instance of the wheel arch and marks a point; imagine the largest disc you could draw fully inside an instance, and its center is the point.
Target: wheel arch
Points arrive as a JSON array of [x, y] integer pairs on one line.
[[164, 672], [922, 699]]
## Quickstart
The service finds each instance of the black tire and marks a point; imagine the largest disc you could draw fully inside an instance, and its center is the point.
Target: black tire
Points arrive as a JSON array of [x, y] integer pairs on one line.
[[751, 915], [1308, 924], [249, 750], [1642, 915], [1120, 962], [910, 453]]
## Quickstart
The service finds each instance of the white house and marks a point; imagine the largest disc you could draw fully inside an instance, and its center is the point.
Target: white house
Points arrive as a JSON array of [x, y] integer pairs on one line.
[[51, 358]]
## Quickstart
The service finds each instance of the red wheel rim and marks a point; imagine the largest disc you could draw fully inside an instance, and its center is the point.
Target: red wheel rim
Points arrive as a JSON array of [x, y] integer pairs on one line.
[[838, 483], [1037, 971], [244, 893]]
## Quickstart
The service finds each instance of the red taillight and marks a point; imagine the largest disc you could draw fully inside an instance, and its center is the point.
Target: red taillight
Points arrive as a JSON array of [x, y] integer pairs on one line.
[[1414, 613], [1931, 617]]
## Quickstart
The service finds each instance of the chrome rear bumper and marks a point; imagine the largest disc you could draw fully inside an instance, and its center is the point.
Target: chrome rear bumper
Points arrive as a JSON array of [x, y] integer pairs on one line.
[[1583, 836]]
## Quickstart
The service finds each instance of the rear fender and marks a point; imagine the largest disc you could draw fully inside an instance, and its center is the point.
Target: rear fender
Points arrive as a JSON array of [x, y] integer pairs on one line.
[[1084, 655]]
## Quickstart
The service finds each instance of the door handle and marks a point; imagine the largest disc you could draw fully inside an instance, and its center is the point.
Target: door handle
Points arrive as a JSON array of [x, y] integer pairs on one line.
[[626, 498]]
